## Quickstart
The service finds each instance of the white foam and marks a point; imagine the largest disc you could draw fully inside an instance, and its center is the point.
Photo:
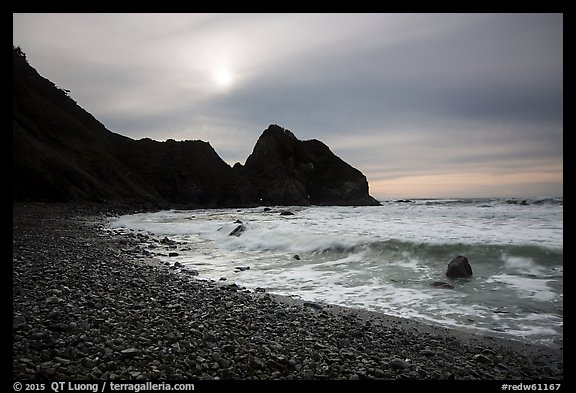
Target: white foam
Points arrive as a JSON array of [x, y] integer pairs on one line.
[[325, 227], [522, 265], [526, 287]]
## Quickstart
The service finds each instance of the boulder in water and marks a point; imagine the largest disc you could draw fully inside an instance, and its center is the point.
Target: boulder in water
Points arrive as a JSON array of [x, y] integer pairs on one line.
[[442, 284], [238, 230], [459, 267], [242, 268]]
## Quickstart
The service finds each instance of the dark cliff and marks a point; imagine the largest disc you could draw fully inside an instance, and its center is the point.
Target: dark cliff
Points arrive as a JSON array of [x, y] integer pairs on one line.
[[60, 152], [285, 170]]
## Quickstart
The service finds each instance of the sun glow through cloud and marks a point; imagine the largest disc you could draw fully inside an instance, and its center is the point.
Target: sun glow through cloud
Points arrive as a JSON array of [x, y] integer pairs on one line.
[[223, 77]]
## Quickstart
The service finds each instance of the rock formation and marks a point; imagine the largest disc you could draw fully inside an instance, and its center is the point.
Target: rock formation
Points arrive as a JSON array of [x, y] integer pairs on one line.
[[284, 170]]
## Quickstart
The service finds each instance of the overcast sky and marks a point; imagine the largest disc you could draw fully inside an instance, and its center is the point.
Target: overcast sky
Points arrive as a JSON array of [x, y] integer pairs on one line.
[[425, 105]]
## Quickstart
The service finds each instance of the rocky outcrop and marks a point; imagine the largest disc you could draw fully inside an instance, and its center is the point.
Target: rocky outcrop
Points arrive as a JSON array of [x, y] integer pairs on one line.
[[283, 170], [459, 267], [62, 153]]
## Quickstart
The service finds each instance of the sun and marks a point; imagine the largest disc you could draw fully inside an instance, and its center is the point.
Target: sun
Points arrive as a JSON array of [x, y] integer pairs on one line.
[[223, 77]]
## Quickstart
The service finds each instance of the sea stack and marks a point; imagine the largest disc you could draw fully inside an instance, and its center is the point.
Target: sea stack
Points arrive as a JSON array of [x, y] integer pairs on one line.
[[283, 170]]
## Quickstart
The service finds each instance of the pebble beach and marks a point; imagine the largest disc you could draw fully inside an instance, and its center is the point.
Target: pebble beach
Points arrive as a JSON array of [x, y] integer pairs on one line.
[[89, 304]]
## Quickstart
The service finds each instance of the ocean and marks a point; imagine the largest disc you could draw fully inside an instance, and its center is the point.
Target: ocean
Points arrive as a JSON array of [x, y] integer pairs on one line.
[[385, 258]]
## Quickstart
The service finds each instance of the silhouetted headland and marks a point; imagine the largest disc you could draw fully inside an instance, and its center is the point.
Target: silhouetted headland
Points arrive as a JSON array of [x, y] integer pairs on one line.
[[62, 153]]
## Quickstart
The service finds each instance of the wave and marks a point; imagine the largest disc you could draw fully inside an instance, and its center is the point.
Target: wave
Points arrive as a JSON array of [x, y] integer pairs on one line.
[[325, 239], [529, 260], [320, 246], [481, 202]]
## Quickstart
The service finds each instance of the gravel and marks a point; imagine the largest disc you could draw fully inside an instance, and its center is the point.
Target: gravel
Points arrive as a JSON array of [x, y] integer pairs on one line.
[[92, 305]]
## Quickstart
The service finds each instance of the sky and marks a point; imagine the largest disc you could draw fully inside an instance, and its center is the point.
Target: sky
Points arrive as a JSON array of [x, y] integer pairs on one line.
[[425, 105]]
